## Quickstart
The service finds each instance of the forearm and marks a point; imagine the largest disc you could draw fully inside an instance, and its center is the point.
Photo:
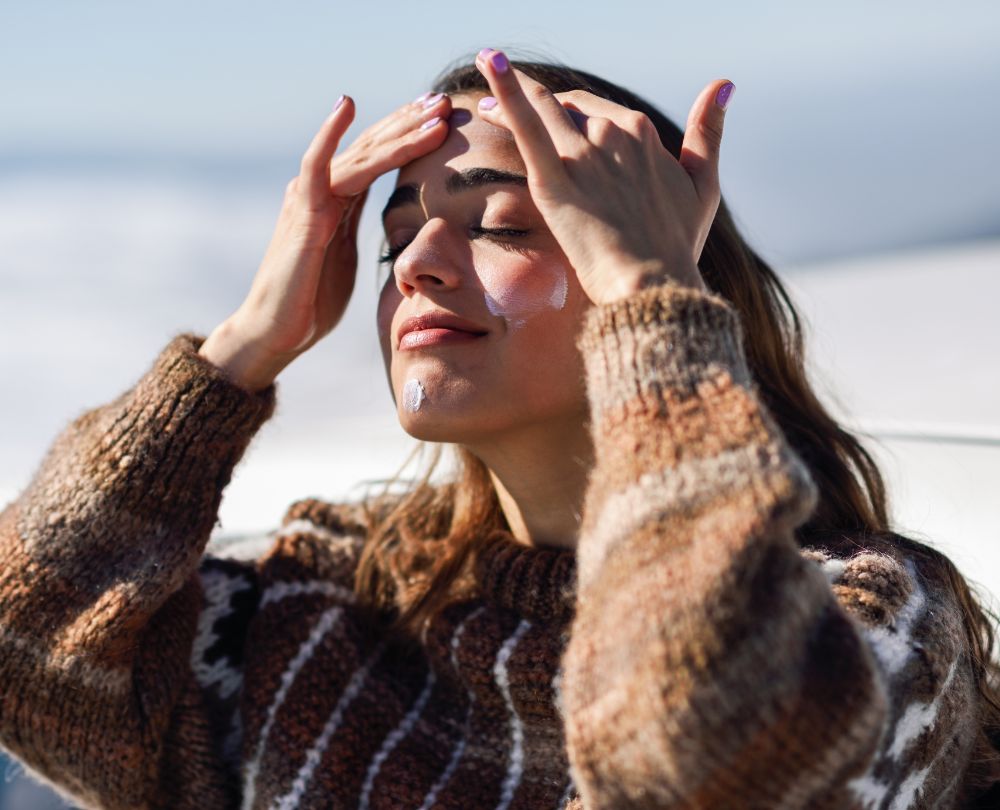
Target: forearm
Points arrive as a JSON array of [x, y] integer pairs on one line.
[[128, 494], [705, 651], [107, 536]]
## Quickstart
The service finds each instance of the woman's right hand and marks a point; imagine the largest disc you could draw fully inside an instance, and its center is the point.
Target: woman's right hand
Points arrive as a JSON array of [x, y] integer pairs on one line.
[[306, 278]]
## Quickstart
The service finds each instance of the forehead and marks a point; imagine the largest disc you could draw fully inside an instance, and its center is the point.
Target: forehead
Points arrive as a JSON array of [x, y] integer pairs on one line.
[[471, 142]]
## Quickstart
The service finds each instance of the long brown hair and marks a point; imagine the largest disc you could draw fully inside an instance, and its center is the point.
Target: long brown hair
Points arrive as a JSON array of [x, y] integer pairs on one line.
[[422, 545]]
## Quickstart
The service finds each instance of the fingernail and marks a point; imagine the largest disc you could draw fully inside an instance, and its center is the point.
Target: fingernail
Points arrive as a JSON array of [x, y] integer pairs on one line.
[[724, 95], [499, 62], [430, 102], [339, 103], [487, 103], [484, 53], [431, 122], [422, 97]]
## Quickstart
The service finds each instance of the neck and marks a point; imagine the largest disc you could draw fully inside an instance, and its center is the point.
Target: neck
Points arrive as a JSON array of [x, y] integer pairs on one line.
[[540, 475]]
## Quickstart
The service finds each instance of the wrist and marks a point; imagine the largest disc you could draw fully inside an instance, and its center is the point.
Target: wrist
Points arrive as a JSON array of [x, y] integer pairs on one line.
[[239, 359], [625, 280]]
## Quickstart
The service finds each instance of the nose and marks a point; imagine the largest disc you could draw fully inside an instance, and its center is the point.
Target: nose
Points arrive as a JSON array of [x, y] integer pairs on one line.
[[429, 263]]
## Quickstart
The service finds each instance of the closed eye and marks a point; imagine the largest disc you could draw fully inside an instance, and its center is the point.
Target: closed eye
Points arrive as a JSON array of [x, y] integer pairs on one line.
[[498, 231], [389, 257], [498, 235]]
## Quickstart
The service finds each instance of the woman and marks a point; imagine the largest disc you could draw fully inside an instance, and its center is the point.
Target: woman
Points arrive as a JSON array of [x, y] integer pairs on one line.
[[662, 577]]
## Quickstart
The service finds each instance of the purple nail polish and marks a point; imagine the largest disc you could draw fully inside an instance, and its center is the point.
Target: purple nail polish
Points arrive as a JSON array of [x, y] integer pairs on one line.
[[484, 53], [499, 62], [422, 97], [430, 102], [487, 103], [725, 94], [339, 103], [431, 122]]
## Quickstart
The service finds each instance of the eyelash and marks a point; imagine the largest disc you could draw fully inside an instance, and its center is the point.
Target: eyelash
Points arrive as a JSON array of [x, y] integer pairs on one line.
[[390, 256]]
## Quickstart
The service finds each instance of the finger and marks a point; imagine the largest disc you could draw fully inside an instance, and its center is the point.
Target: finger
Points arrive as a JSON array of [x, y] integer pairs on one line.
[[358, 167], [492, 113], [317, 157], [586, 105], [403, 119], [537, 120], [703, 138]]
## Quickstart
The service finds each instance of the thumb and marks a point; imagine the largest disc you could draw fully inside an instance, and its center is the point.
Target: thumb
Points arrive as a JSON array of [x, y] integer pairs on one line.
[[703, 138], [348, 228]]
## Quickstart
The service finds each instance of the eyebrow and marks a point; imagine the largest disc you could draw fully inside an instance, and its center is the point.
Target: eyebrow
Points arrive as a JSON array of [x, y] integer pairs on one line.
[[456, 183]]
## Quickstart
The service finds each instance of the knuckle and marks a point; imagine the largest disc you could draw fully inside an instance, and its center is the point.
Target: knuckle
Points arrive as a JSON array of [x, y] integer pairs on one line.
[[600, 129], [358, 159], [538, 92], [637, 124], [415, 144], [553, 192], [633, 120], [405, 151], [712, 131], [644, 125]]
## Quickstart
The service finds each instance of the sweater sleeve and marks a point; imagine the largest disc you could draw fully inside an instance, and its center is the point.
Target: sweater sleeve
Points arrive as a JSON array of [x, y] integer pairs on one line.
[[100, 589], [712, 663]]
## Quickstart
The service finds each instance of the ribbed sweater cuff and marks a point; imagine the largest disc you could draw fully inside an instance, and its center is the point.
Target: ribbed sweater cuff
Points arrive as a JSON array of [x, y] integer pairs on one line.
[[234, 409], [145, 472], [660, 339], [186, 420]]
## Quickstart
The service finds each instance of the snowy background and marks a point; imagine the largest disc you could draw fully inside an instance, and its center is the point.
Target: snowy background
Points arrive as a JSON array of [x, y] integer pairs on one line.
[[144, 150]]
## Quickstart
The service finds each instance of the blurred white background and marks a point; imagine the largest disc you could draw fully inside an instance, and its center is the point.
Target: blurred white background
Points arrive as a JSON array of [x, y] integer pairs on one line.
[[144, 150]]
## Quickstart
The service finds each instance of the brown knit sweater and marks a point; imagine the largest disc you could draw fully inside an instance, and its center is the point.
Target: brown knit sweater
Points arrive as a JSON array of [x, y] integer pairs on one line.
[[688, 654]]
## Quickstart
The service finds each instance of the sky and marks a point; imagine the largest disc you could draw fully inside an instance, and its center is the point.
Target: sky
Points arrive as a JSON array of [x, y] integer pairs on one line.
[[855, 127]]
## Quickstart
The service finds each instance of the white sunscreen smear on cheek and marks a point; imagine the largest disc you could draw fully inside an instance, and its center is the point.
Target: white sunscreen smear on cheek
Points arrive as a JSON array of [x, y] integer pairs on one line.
[[413, 395], [558, 298], [516, 302]]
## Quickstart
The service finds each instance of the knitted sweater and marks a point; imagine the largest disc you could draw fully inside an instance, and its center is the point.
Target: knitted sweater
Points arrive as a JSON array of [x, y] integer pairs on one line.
[[689, 653]]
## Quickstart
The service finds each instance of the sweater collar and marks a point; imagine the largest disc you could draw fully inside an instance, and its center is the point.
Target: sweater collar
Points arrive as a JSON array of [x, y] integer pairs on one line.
[[536, 582]]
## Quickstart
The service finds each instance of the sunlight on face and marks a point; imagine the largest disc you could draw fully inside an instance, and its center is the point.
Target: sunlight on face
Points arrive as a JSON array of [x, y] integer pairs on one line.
[[495, 351]]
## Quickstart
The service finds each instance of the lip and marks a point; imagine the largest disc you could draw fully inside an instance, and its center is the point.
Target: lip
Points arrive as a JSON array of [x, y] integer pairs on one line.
[[440, 327]]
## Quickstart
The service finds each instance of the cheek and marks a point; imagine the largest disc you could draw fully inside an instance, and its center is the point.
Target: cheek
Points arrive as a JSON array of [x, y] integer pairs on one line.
[[388, 303], [528, 291]]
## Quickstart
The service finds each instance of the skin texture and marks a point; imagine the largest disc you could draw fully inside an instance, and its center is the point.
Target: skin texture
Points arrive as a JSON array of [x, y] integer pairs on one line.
[[514, 397], [607, 211], [526, 369]]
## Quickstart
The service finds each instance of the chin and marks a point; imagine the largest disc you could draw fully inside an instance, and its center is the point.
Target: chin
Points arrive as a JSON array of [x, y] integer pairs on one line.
[[435, 406], [462, 420], [431, 428]]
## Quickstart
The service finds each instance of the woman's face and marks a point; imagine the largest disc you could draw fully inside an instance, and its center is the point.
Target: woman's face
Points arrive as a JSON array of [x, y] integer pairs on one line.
[[496, 350]]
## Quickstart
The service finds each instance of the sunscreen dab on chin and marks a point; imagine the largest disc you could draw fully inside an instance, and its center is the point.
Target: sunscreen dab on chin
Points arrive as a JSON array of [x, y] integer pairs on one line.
[[413, 395]]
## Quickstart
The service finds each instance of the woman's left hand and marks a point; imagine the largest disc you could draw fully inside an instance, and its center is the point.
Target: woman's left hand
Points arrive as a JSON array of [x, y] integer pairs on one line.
[[626, 213]]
